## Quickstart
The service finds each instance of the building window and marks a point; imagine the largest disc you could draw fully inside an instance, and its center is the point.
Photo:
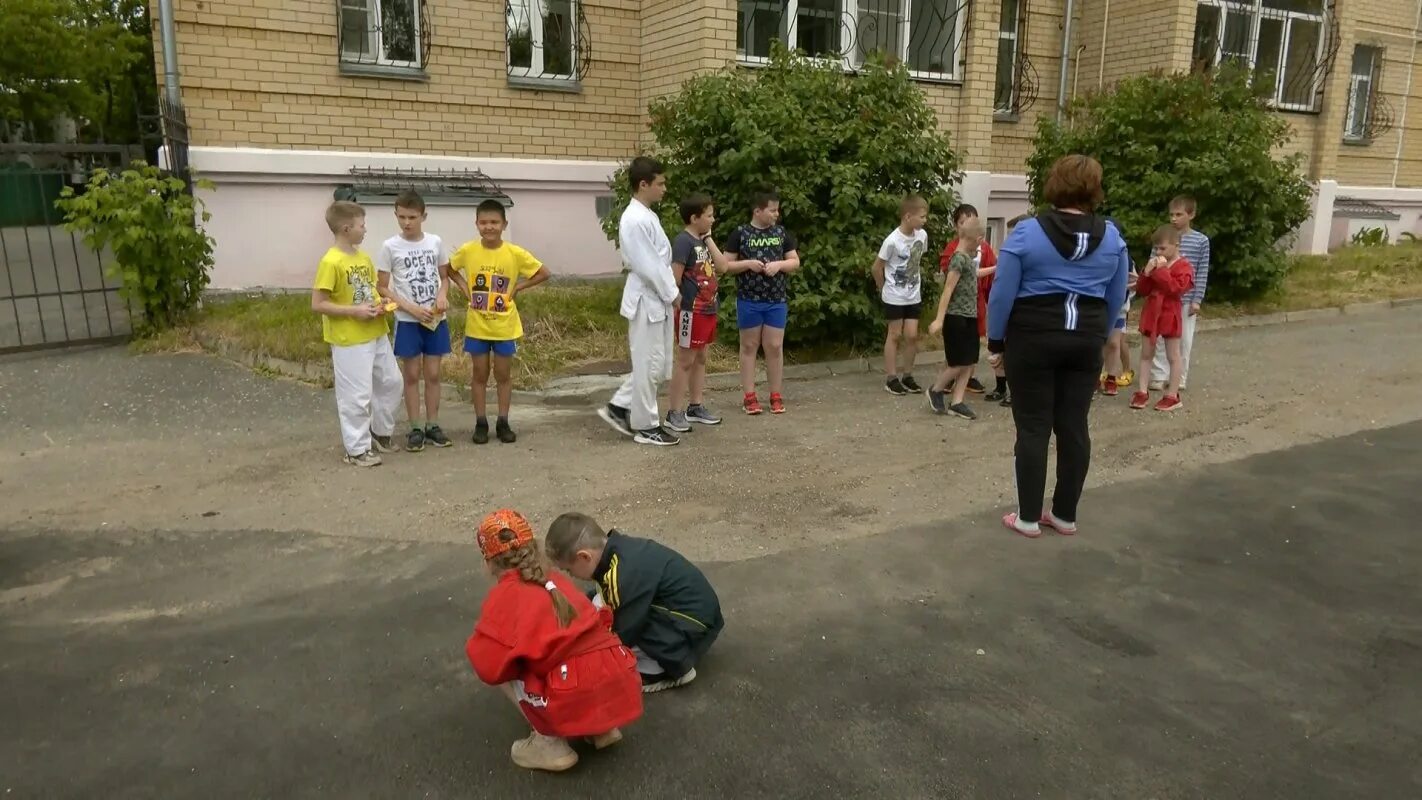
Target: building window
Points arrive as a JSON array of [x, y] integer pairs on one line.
[[1280, 41], [382, 33], [1005, 94], [543, 39], [1363, 85], [924, 35]]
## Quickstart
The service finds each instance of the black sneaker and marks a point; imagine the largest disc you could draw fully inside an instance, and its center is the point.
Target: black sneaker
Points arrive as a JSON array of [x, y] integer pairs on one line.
[[976, 386], [504, 432], [617, 417], [936, 401], [996, 396], [383, 444], [415, 441], [436, 437], [657, 437], [481, 432], [1006, 400], [910, 384], [895, 387], [962, 410]]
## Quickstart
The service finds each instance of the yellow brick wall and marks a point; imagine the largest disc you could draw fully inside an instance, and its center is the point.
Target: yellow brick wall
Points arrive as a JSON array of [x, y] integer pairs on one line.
[[1385, 24], [265, 73], [1012, 140]]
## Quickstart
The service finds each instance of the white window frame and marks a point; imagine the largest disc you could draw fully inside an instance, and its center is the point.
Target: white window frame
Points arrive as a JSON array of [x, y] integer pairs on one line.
[[375, 35], [537, 64], [1256, 11], [1355, 124], [847, 15], [1003, 37]]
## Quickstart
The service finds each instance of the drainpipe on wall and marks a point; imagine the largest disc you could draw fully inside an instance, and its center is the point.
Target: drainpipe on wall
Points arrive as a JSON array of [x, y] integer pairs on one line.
[[170, 52], [1066, 59], [1402, 120], [1105, 26]]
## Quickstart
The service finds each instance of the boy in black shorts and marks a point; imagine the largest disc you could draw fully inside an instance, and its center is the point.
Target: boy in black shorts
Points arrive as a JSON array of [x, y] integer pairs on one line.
[[957, 320], [897, 272]]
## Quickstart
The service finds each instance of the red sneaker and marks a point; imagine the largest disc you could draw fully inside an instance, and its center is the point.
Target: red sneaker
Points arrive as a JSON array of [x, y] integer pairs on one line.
[[1170, 402], [751, 404], [1110, 387], [1140, 399], [777, 403]]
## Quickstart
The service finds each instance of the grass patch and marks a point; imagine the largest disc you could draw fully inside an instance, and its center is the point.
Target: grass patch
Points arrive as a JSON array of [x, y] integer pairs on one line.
[[573, 326], [1350, 275]]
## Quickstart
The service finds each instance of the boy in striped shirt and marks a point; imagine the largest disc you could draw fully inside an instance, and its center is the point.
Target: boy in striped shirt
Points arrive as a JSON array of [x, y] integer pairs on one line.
[[1195, 248]]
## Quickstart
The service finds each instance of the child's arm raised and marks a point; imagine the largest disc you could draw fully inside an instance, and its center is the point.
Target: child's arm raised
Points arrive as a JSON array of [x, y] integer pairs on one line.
[[718, 259], [1177, 280]]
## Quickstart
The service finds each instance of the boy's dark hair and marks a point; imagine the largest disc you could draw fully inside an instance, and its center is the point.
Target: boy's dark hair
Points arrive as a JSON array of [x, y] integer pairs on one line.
[[763, 197], [643, 169], [912, 202], [694, 205], [570, 533], [964, 210], [410, 199], [1018, 220], [1184, 202], [492, 206], [1166, 234]]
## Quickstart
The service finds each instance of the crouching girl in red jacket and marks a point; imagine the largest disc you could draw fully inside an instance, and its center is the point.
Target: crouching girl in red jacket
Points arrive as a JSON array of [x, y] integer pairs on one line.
[[555, 656]]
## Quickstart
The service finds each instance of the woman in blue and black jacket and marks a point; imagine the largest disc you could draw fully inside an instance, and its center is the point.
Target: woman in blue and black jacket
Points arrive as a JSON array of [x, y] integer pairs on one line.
[[1061, 280]]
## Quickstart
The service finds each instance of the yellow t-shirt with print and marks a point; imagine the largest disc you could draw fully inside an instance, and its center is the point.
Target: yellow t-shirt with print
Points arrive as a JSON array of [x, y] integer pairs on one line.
[[350, 280], [492, 274]]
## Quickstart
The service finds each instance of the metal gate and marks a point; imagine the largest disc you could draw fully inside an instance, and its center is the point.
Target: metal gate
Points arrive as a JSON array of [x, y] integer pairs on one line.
[[54, 289]]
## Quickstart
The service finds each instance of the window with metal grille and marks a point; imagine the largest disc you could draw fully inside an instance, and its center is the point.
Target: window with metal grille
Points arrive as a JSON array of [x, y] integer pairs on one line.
[[1284, 43], [383, 35], [1363, 83], [924, 35], [547, 39]]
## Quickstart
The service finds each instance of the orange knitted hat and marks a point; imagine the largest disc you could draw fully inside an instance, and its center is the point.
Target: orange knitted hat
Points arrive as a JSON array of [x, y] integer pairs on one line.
[[504, 519]]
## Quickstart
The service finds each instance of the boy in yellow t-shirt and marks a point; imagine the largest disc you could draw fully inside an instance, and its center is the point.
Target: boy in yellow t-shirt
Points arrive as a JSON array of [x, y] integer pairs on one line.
[[491, 272], [368, 382]]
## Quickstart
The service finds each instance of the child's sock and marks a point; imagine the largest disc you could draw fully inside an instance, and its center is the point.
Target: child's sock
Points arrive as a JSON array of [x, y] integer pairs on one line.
[[415, 425]]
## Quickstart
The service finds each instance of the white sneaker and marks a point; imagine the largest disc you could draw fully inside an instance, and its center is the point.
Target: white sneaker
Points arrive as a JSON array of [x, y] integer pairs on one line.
[[366, 459], [669, 683]]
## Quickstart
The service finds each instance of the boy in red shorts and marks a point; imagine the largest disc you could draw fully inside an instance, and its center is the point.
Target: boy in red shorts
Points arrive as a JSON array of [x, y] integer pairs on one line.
[[1164, 280], [695, 262]]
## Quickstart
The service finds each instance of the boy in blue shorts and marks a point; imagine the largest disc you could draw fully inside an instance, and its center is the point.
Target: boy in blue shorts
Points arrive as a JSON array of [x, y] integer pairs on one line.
[[414, 273], [491, 273], [765, 254]]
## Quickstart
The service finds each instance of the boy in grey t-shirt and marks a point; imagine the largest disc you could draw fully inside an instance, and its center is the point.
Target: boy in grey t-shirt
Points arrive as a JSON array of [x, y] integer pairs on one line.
[[957, 320]]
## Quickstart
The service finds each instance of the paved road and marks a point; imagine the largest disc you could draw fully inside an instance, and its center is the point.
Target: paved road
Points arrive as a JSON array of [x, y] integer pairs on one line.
[[1261, 638]]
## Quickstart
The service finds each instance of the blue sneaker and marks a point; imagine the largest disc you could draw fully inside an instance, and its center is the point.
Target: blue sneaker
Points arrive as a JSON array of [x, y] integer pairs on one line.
[[937, 401]]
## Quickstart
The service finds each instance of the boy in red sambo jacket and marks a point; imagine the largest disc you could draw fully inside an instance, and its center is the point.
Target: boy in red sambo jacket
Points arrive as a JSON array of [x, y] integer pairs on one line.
[[1166, 277], [555, 656]]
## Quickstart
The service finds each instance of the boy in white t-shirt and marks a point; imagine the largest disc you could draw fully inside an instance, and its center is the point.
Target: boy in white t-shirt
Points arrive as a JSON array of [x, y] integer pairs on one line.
[[899, 277], [414, 273]]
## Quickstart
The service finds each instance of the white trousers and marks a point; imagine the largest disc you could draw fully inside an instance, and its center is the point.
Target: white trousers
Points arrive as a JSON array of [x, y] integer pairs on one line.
[[368, 391], [1160, 367], [650, 344]]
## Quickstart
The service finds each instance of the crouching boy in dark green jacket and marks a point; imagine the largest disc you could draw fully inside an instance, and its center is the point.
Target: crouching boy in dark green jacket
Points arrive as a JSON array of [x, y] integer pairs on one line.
[[662, 606]]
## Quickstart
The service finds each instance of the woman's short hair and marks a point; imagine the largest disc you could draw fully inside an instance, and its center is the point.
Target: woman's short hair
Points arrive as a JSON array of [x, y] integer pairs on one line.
[[1074, 182]]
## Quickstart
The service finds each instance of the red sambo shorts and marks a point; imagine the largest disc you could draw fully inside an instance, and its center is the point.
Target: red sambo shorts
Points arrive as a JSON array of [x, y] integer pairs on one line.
[[695, 331]]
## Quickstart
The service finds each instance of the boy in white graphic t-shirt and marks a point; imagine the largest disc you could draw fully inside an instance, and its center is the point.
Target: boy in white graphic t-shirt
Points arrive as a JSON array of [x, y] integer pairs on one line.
[[414, 273], [898, 274]]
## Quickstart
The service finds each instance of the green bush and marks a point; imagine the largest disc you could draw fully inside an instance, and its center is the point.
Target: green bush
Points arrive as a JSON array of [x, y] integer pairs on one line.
[[841, 149], [1210, 136], [149, 221]]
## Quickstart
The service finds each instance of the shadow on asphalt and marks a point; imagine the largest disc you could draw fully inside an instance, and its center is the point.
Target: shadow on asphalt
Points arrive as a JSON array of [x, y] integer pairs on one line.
[[1250, 631]]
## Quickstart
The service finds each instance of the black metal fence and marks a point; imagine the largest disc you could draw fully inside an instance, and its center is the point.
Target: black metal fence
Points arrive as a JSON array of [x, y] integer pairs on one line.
[[54, 289]]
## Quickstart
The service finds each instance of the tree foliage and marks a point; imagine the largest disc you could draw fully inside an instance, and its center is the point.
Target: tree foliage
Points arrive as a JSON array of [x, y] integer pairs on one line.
[[90, 61], [148, 219], [842, 150], [1210, 136]]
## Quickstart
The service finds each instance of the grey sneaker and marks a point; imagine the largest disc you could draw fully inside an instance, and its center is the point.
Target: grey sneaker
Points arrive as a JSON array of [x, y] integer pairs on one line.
[[677, 422], [962, 410], [383, 444], [657, 437], [366, 459], [650, 684], [700, 415], [415, 441], [936, 401], [436, 437]]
